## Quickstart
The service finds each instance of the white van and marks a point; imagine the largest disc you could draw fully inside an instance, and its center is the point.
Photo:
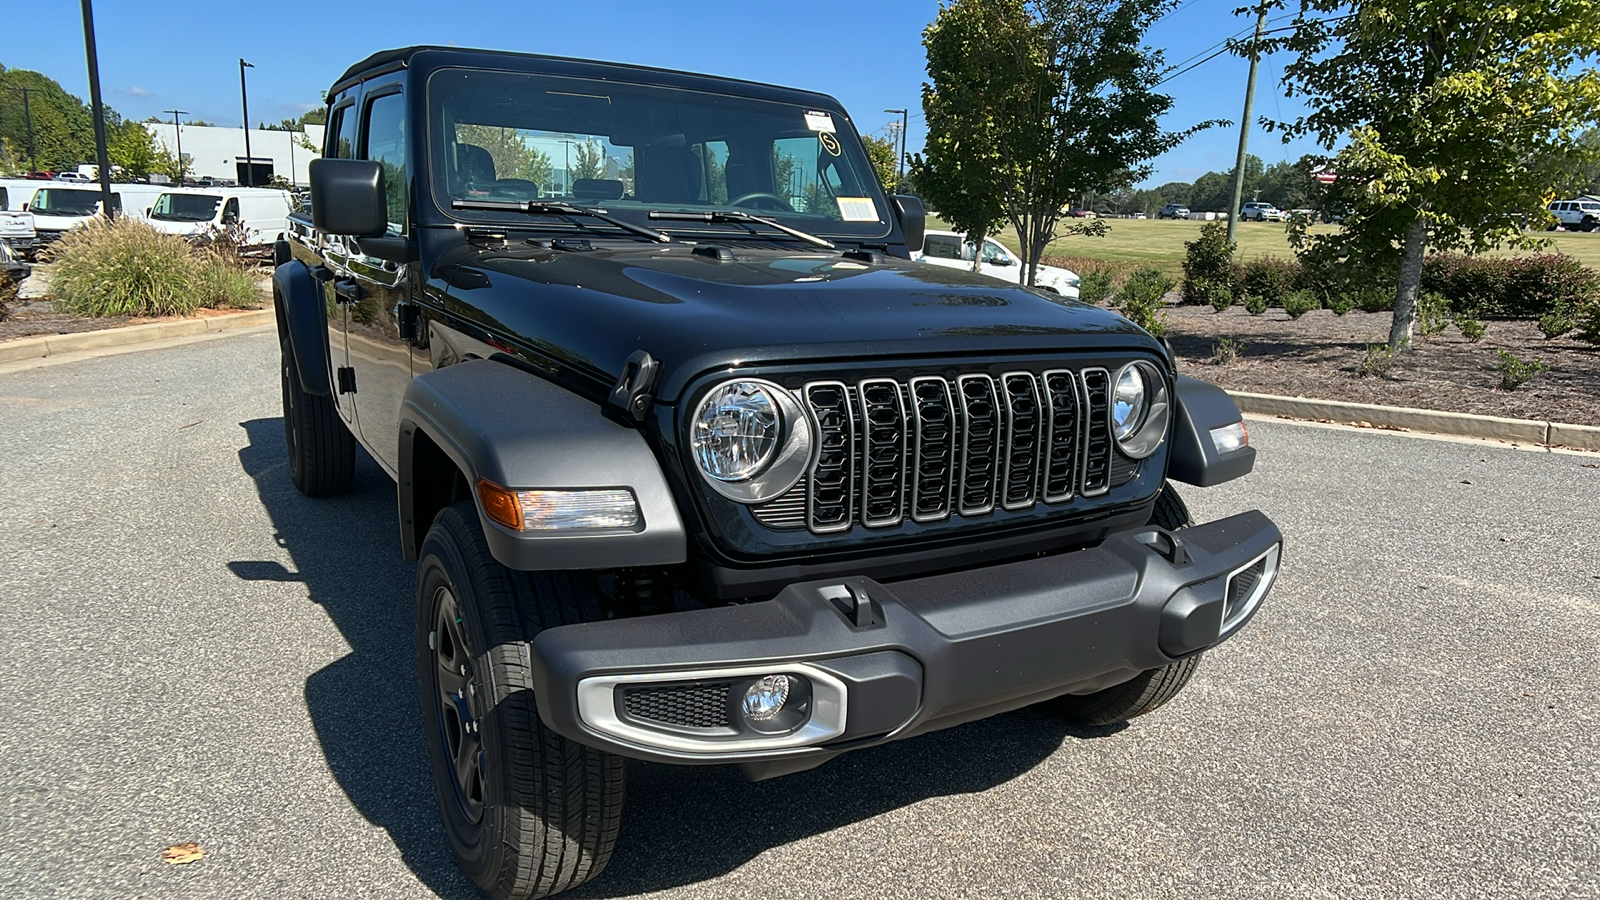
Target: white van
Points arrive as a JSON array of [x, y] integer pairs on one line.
[[264, 212], [58, 207], [16, 224]]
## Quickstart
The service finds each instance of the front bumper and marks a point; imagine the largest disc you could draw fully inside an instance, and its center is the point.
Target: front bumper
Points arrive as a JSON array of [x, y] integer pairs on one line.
[[880, 662]]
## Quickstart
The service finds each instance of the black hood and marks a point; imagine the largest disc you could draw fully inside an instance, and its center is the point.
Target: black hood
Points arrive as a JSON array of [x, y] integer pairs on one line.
[[587, 311]]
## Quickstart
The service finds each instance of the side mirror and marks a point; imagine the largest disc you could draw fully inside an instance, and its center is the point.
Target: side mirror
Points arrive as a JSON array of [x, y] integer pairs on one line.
[[347, 197], [24, 207], [913, 219], [999, 261]]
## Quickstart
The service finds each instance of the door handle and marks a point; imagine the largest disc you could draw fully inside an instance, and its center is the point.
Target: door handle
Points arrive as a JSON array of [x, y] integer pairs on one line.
[[347, 290]]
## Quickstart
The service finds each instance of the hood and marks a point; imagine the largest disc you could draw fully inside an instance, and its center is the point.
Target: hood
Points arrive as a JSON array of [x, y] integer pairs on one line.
[[588, 311]]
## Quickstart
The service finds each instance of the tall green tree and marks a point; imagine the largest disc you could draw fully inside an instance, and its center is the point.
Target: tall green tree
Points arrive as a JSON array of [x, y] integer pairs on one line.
[[134, 153], [63, 128], [1461, 116], [884, 157], [1066, 103], [589, 160], [512, 156]]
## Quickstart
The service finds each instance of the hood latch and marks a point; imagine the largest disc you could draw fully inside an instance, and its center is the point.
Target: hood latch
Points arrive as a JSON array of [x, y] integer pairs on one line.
[[638, 379]]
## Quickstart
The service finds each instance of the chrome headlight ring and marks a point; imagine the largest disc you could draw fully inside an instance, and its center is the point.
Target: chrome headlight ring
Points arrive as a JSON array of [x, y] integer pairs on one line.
[[1149, 412], [775, 465]]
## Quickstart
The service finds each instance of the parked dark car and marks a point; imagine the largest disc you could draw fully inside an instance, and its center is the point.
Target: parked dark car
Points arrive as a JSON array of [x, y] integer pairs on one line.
[[698, 467]]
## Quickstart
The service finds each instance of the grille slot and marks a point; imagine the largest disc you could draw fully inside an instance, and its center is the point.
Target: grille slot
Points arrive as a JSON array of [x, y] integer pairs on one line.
[[680, 705], [932, 447]]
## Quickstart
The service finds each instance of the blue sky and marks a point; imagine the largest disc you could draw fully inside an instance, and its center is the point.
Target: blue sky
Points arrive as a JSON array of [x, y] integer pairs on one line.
[[868, 53]]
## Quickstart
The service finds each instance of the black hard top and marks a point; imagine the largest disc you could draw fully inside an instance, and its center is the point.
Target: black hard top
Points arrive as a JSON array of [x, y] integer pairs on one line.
[[566, 65]]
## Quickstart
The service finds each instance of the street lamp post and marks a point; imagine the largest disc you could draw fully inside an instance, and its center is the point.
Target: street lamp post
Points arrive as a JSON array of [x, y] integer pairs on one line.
[[177, 130], [244, 101], [27, 113], [900, 158], [98, 111], [567, 172]]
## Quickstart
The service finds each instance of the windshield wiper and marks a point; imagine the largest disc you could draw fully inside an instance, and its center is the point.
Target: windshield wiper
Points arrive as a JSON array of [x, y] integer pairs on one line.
[[542, 208], [733, 216]]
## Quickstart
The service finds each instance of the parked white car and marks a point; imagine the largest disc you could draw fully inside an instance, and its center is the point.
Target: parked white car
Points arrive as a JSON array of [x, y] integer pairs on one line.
[[1582, 214], [1255, 211], [951, 250], [263, 212]]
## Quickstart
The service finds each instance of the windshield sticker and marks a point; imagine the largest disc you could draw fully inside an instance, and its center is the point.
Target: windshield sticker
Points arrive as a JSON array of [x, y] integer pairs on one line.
[[830, 143], [857, 209], [819, 121]]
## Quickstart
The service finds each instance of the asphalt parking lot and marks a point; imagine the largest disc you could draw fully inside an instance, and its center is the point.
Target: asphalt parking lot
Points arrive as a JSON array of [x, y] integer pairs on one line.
[[194, 652]]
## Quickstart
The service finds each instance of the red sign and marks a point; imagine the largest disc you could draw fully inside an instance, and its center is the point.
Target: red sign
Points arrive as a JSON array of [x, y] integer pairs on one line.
[[1325, 177]]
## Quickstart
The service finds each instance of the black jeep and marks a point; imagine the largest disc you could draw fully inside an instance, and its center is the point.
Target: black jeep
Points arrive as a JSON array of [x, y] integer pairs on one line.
[[698, 467]]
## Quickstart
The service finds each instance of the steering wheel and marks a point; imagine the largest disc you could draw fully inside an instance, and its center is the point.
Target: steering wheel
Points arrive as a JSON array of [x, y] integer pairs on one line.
[[777, 203]]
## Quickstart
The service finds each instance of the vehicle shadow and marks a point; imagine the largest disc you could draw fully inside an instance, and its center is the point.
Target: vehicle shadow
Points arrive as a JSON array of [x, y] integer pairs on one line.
[[681, 825]]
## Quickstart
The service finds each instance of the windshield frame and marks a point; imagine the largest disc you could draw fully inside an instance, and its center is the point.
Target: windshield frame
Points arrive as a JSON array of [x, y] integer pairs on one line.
[[434, 96]]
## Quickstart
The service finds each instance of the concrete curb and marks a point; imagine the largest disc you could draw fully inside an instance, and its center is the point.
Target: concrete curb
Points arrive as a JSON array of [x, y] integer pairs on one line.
[[1525, 431], [56, 344]]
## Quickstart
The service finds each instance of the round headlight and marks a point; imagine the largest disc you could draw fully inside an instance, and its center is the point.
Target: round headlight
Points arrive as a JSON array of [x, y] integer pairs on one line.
[[1128, 402], [1140, 409], [751, 439], [735, 431]]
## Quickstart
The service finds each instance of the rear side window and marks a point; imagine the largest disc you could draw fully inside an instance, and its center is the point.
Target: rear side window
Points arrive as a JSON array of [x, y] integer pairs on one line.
[[385, 142], [941, 246]]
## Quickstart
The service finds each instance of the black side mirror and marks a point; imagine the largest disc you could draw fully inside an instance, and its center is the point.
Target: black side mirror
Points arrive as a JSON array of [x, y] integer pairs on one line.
[[998, 261], [347, 197], [913, 219]]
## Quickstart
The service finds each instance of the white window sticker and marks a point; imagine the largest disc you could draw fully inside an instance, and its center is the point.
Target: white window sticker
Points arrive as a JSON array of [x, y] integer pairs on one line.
[[857, 209], [819, 121]]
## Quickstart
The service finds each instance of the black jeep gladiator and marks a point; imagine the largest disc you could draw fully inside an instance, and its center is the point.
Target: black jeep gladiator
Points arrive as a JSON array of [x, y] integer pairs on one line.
[[698, 467]]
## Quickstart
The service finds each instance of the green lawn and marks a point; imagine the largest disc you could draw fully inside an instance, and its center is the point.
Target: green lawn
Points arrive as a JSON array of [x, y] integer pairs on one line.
[[1159, 242]]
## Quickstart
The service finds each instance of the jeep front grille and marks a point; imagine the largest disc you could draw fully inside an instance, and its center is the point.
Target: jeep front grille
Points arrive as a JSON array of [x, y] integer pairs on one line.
[[931, 447]]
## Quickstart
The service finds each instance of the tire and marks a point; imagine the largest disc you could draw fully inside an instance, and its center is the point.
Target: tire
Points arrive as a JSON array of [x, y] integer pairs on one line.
[[322, 452], [527, 812], [1150, 689]]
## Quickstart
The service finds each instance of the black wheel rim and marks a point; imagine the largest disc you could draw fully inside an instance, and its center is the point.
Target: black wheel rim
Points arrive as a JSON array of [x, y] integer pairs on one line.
[[460, 729]]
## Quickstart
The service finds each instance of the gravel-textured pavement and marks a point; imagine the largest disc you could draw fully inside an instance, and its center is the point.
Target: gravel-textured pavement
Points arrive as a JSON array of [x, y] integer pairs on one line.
[[194, 652]]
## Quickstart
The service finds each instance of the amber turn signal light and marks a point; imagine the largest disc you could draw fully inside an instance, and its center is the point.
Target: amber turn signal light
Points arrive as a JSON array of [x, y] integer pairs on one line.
[[500, 505]]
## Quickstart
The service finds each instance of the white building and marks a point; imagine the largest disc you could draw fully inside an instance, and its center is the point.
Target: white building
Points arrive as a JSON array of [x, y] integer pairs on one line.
[[218, 153]]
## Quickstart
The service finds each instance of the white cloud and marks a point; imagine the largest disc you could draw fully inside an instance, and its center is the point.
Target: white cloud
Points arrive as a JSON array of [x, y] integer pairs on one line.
[[137, 91]]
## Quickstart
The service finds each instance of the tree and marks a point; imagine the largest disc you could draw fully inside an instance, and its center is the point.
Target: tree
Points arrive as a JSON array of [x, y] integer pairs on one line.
[[1461, 115], [134, 153], [881, 152], [1063, 96], [63, 128], [590, 160], [512, 156]]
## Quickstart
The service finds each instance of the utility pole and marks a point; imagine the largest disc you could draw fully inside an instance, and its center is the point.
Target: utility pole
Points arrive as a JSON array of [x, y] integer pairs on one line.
[[900, 158], [99, 112], [1244, 125], [178, 136], [27, 113], [244, 101]]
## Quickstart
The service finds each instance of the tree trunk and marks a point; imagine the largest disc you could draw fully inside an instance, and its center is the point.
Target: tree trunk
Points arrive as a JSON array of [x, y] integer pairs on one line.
[[1405, 301]]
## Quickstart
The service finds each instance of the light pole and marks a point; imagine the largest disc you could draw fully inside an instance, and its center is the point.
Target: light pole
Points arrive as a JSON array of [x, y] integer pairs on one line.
[[900, 158], [178, 136], [98, 110], [244, 101], [567, 172], [27, 113]]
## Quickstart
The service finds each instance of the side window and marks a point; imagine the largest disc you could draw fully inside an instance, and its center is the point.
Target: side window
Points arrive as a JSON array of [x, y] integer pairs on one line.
[[385, 142], [230, 211], [711, 158], [940, 246], [341, 136], [994, 253]]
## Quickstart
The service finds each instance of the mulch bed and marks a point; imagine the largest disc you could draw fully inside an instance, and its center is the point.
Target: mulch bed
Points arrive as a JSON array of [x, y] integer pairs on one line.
[[1319, 354], [31, 318]]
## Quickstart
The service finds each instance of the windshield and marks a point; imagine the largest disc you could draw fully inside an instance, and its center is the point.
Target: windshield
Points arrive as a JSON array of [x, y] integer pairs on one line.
[[66, 201], [633, 148], [185, 207]]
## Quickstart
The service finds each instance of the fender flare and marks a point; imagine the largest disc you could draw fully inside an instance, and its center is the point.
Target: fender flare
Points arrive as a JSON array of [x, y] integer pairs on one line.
[[303, 317], [498, 423], [1201, 407]]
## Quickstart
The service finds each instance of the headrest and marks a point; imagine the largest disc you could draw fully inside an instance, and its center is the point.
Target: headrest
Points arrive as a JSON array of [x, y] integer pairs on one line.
[[474, 163], [596, 189]]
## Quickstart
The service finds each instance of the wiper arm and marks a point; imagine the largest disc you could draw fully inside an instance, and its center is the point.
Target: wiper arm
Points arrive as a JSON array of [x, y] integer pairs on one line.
[[541, 208], [731, 216]]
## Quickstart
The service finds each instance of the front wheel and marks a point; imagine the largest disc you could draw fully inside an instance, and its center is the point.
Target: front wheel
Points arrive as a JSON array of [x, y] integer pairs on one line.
[[1151, 688], [527, 812]]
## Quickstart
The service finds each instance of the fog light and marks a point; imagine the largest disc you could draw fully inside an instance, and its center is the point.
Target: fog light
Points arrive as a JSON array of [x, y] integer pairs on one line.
[[764, 699], [1229, 438]]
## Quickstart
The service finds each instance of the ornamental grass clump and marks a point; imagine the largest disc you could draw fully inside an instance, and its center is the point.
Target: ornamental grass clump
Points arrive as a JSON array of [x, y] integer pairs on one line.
[[128, 268]]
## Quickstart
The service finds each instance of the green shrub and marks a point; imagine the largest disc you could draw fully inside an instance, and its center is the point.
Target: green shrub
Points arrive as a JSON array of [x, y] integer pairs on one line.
[[1587, 317], [123, 268], [1095, 287], [222, 283], [1226, 350], [1270, 278], [1217, 293], [1515, 372], [1554, 324], [1342, 303], [1523, 287], [1375, 300], [1472, 327], [1254, 304], [1208, 258], [1141, 299], [1376, 362], [1433, 313], [1298, 303]]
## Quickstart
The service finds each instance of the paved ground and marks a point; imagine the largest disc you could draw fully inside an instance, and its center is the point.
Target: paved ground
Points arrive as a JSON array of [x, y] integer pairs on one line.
[[193, 652]]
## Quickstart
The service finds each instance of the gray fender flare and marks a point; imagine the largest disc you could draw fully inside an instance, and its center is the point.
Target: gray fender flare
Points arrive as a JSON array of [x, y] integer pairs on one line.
[[303, 317], [1201, 407], [501, 424]]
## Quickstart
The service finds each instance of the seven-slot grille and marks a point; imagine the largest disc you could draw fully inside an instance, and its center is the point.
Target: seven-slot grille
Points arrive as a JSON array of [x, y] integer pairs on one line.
[[933, 447]]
